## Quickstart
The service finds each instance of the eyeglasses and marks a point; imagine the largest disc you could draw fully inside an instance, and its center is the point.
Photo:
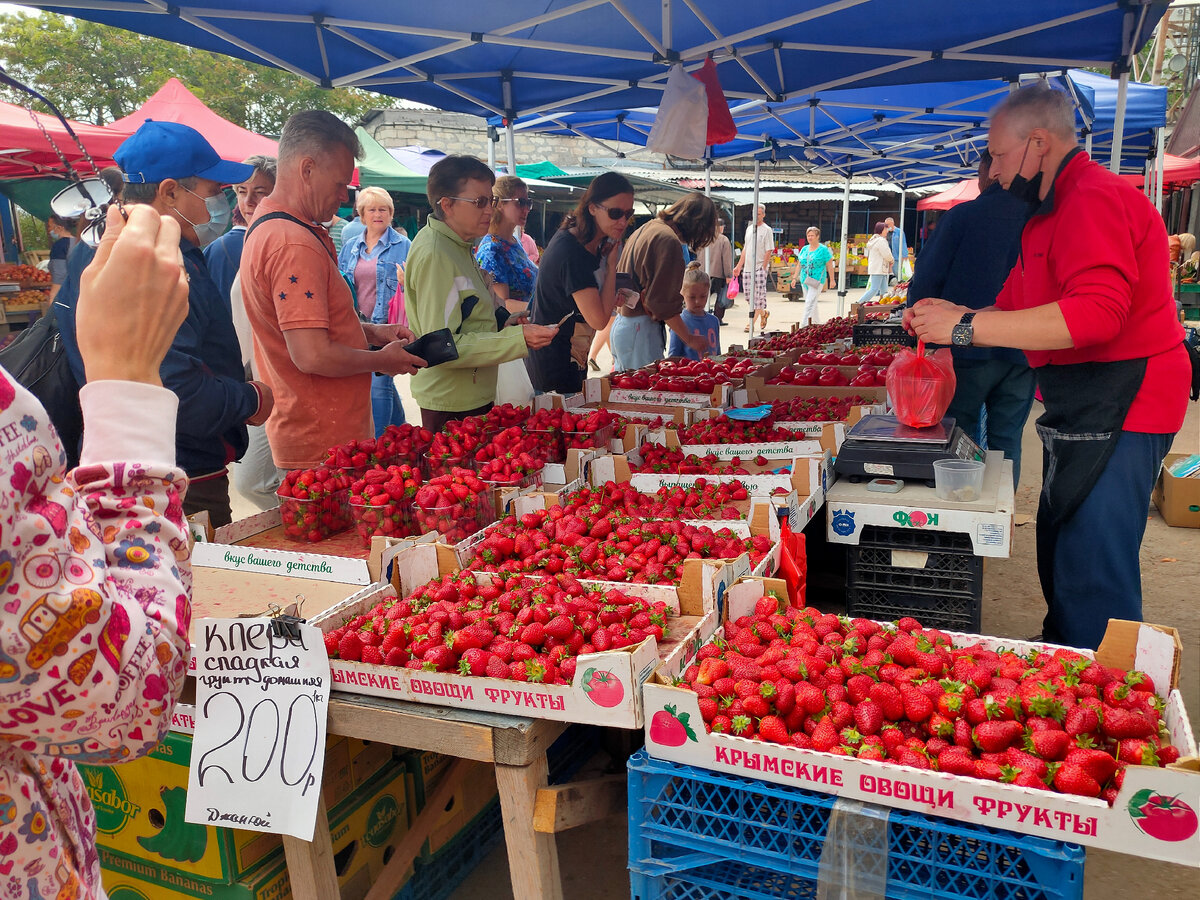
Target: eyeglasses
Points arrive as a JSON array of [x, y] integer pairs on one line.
[[523, 202], [477, 202], [615, 213]]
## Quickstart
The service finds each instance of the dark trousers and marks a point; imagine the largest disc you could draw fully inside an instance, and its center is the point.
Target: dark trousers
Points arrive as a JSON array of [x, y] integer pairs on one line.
[[1088, 565], [1006, 390], [211, 494], [436, 419], [716, 289]]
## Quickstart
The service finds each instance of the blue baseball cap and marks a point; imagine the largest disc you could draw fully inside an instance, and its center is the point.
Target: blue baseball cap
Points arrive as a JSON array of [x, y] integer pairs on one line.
[[161, 150]]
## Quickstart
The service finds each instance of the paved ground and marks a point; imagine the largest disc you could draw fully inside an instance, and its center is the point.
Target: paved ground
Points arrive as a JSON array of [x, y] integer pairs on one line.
[[593, 858]]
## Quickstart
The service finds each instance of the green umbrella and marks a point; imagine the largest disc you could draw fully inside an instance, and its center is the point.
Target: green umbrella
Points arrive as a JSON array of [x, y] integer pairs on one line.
[[33, 194]]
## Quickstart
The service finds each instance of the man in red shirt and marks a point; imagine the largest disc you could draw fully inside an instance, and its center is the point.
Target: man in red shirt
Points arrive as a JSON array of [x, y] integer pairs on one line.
[[1090, 302]]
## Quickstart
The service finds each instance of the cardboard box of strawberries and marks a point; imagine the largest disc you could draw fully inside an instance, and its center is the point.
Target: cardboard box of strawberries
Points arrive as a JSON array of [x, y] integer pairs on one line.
[[550, 647], [1089, 748]]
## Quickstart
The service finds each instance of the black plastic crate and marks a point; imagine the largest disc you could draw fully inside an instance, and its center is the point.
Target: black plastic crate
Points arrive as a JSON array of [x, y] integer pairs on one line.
[[915, 539], [882, 334], [940, 572], [947, 611], [695, 834]]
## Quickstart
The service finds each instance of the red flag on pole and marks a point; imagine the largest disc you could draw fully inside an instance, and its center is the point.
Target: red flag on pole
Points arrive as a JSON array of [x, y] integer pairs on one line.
[[720, 122]]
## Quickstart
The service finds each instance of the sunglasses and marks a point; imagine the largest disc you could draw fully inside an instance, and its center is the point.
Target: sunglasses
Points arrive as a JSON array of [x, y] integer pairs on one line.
[[615, 213], [523, 202], [477, 202]]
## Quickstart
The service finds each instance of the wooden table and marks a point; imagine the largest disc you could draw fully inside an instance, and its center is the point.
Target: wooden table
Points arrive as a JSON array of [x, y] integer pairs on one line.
[[516, 746]]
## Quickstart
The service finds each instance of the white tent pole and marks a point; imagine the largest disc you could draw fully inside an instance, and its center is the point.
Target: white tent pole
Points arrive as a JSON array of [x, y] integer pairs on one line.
[[1149, 170], [842, 262], [1160, 164], [1114, 162], [902, 199], [511, 146], [491, 154], [753, 226], [1087, 142], [708, 193]]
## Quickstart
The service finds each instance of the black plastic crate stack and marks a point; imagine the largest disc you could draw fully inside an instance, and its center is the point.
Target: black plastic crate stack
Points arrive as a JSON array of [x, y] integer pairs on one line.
[[946, 592], [881, 333]]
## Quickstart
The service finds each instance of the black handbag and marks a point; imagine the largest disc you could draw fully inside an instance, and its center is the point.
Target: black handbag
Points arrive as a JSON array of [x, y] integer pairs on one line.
[[37, 360]]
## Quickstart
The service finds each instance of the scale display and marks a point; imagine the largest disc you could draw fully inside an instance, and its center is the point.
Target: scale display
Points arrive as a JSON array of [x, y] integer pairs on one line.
[[880, 446]]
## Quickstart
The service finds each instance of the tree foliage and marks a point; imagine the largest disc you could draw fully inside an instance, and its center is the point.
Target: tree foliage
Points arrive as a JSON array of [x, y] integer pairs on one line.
[[96, 73]]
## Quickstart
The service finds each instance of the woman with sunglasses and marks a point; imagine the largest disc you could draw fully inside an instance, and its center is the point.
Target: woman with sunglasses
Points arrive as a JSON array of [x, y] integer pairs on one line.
[[653, 259], [577, 281], [501, 253], [446, 289]]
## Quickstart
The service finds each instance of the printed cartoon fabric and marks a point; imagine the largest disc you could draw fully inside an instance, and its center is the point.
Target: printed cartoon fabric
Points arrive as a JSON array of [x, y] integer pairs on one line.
[[507, 262], [83, 678]]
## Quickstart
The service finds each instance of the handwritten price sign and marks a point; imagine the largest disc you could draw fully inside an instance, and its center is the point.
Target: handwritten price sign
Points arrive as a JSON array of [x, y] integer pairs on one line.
[[258, 752]]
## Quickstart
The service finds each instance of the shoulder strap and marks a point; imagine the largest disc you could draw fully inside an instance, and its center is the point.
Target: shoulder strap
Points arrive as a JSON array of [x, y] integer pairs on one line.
[[282, 215]]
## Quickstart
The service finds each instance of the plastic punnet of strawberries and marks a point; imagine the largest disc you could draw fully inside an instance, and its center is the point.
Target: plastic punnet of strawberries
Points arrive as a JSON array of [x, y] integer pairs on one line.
[[658, 459], [588, 430], [313, 503], [605, 547], [724, 430], [518, 628], [905, 694], [380, 501], [455, 445], [512, 457], [455, 505]]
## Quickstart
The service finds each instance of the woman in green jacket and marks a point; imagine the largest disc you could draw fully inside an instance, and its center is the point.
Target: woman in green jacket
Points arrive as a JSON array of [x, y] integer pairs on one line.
[[445, 288]]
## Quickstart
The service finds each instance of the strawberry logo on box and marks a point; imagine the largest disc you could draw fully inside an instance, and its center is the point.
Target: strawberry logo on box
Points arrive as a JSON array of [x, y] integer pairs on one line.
[[1163, 818], [669, 728]]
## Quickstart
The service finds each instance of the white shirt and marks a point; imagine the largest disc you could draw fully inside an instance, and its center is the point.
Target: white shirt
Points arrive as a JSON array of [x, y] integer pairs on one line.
[[766, 242]]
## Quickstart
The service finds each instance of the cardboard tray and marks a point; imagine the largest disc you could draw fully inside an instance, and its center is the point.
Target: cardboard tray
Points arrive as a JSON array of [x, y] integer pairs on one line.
[[1083, 820]]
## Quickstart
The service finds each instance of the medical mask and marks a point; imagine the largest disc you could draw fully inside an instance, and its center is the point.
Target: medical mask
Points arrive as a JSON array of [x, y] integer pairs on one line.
[[219, 216], [1027, 189]]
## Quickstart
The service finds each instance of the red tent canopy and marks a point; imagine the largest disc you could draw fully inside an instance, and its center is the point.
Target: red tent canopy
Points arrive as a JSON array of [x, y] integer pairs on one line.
[[24, 150], [175, 103], [960, 193], [1176, 170]]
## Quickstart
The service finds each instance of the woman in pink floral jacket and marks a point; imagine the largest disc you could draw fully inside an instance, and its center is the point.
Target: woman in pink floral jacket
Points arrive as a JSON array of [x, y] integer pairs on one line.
[[94, 576]]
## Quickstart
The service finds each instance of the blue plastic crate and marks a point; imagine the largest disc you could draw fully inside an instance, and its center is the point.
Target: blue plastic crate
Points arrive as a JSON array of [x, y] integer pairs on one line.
[[697, 833]]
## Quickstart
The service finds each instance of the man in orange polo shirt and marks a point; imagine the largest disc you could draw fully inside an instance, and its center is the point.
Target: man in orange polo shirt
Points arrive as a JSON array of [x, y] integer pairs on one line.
[[309, 343]]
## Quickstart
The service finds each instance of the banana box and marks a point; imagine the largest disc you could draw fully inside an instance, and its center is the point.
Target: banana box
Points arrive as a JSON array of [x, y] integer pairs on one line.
[[364, 830], [140, 805], [475, 791]]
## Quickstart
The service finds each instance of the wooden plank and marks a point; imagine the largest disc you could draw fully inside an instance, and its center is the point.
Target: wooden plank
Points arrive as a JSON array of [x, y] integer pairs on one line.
[[310, 863], [525, 741], [564, 806], [532, 857], [392, 877], [461, 733]]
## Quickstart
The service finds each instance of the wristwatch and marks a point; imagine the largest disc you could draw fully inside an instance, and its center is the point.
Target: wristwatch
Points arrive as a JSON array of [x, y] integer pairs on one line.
[[963, 333]]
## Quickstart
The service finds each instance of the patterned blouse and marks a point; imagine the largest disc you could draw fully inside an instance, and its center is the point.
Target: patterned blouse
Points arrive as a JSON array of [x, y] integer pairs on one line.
[[507, 262], [94, 577]]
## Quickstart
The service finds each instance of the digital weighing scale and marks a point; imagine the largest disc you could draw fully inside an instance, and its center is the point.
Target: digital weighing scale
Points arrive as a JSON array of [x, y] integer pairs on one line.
[[879, 446]]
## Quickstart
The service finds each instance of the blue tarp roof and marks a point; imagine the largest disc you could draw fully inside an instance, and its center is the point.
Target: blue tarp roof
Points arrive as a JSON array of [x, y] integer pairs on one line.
[[523, 57]]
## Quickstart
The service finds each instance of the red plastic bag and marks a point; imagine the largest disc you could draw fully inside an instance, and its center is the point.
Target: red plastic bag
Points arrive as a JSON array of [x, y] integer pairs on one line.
[[921, 386], [735, 288], [793, 564]]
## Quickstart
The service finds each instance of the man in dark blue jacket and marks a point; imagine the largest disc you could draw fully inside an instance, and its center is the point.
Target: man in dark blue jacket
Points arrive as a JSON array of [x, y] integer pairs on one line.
[[172, 168], [966, 260]]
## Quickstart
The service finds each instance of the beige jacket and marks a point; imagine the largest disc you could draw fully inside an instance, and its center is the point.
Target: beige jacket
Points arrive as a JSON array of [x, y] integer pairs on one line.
[[879, 256]]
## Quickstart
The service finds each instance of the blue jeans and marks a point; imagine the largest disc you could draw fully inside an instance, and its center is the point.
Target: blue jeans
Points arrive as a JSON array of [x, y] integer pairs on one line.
[[1006, 390], [876, 287], [385, 403], [636, 341], [1089, 565]]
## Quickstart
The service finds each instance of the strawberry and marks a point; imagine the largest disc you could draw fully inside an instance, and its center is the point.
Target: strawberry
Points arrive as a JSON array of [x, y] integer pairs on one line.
[[1137, 752], [372, 654], [772, 728], [708, 709], [1124, 723], [868, 717], [996, 736], [987, 770], [742, 726], [350, 647], [889, 700], [825, 737], [917, 706], [1097, 763], [755, 706], [1049, 745], [809, 698], [1026, 762], [1081, 719], [474, 662], [1074, 779], [956, 761]]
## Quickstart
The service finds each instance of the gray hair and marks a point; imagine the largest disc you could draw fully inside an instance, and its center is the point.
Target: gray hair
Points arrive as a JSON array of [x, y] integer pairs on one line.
[[263, 165], [810, 229], [1038, 106], [316, 132]]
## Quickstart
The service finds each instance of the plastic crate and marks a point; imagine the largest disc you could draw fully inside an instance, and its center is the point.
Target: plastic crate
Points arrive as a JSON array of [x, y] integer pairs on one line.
[[700, 834], [914, 539], [867, 334], [946, 611], [940, 573]]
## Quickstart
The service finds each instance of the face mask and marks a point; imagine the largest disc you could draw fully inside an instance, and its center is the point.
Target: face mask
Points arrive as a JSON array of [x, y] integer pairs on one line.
[[219, 217], [1027, 189]]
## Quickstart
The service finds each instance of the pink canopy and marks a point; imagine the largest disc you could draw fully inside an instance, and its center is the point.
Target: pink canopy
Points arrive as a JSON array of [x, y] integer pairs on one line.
[[1176, 171], [24, 150], [175, 103], [960, 193]]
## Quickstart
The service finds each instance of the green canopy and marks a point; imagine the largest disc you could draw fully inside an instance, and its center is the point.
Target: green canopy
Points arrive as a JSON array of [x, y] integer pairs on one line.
[[544, 169], [378, 168], [33, 194]]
